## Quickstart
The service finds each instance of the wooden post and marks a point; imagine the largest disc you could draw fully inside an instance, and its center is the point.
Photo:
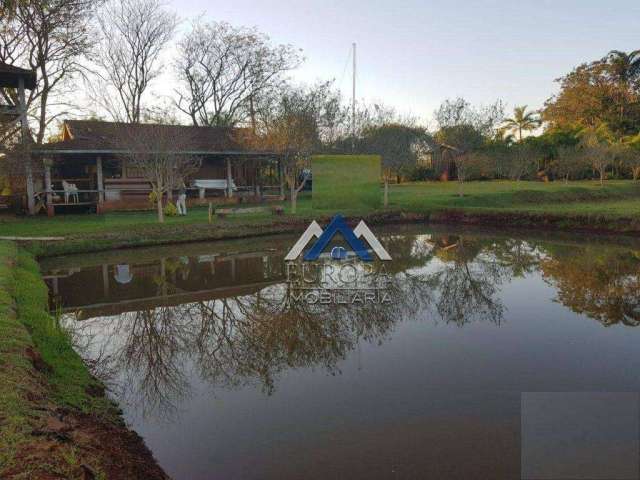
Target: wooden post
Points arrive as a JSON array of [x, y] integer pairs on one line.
[[47, 188], [100, 180], [210, 212], [281, 178], [229, 179], [24, 127]]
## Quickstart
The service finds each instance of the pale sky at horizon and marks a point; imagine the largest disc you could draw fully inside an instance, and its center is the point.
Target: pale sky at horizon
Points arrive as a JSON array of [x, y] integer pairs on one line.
[[414, 54]]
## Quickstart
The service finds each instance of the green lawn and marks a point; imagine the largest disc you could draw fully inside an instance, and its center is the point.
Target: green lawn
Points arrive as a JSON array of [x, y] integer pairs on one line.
[[507, 195], [616, 199]]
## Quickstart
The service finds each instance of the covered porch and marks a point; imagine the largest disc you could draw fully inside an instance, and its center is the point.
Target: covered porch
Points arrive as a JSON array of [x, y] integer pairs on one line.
[[102, 181]]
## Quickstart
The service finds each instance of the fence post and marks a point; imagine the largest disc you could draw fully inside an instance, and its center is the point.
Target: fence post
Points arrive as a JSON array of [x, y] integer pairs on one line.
[[47, 187]]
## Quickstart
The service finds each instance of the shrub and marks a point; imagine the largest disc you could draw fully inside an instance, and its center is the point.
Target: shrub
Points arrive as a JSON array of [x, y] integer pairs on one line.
[[170, 210], [421, 173]]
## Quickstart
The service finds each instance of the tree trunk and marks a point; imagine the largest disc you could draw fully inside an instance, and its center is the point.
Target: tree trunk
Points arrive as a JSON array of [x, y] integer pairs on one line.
[[160, 209], [460, 188], [294, 199], [602, 177], [252, 114], [386, 192]]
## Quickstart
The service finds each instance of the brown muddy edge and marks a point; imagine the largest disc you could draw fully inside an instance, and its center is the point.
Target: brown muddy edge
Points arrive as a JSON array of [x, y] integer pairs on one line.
[[517, 220], [592, 224], [60, 442]]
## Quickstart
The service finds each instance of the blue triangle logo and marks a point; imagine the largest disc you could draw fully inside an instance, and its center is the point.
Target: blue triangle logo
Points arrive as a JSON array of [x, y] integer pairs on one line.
[[338, 225]]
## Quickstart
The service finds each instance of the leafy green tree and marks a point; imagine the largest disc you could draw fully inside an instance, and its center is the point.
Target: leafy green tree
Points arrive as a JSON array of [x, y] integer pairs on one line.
[[400, 147], [596, 144], [464, 138], [624, 69], [629, 155], [604, 91]]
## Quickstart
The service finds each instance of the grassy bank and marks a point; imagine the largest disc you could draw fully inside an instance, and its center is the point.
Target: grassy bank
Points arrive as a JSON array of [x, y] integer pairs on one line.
[[614, 208], [54, 416]]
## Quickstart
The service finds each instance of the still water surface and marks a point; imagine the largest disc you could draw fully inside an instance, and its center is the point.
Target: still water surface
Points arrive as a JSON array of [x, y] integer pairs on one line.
[[226, 377]]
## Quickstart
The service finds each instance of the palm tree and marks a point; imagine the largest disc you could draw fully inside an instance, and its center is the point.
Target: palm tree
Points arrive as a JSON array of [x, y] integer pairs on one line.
[[521, 121], [623, 66]]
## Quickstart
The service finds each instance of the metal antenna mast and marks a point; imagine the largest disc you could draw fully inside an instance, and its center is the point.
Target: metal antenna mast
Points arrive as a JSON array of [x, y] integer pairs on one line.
[[353, 103]]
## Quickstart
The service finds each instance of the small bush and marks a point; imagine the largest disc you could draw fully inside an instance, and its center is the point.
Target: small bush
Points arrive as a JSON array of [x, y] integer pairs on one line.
[[170, 210], [420, 173]]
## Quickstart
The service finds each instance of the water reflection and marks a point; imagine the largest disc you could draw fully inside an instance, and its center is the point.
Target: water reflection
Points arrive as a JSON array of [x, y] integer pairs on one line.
[[601, 283], [149, 321]]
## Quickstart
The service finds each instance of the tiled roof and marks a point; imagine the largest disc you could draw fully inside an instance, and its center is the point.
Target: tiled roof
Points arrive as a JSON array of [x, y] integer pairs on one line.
[[92, 135]]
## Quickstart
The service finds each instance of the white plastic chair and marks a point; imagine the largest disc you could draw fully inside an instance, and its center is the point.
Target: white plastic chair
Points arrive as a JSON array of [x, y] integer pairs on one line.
[[70, 191]]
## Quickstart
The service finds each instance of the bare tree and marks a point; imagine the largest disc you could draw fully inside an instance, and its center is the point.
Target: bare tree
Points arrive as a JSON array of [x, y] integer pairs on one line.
[[160, 154], [49, 37], [293, 135], [521, 161], [600, 156], [224, 69], [133, 35], [570, 162], [293, 124], [470, 165], [486, 119]]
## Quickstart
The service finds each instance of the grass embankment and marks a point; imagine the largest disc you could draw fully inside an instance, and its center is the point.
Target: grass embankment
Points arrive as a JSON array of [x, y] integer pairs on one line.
[[585, 205], [55, 421]]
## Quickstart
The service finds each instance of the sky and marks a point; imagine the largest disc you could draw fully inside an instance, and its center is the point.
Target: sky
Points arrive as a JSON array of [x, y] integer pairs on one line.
[[414, 54]]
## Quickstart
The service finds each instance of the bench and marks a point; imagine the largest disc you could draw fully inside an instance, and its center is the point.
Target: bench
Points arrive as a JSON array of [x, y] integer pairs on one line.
[[218, 184], [223, 212]]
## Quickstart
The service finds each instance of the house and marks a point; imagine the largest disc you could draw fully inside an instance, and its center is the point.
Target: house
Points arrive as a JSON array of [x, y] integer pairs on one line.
[[89, 158], [441, 159]]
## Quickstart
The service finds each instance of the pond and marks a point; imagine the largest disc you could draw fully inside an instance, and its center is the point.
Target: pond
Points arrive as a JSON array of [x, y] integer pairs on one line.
[[226, 375]]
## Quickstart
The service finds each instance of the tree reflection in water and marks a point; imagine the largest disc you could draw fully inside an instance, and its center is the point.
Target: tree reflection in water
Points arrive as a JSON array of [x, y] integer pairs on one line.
[[602, 283], [254, 338]]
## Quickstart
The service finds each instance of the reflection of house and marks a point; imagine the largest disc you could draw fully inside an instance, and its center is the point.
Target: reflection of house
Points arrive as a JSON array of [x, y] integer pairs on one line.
[[111, 289], [89, 157]]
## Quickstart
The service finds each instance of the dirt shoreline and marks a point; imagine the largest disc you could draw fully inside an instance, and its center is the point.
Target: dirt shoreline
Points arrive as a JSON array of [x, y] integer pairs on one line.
[[42, 436], [628, 226], [595, 224]]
